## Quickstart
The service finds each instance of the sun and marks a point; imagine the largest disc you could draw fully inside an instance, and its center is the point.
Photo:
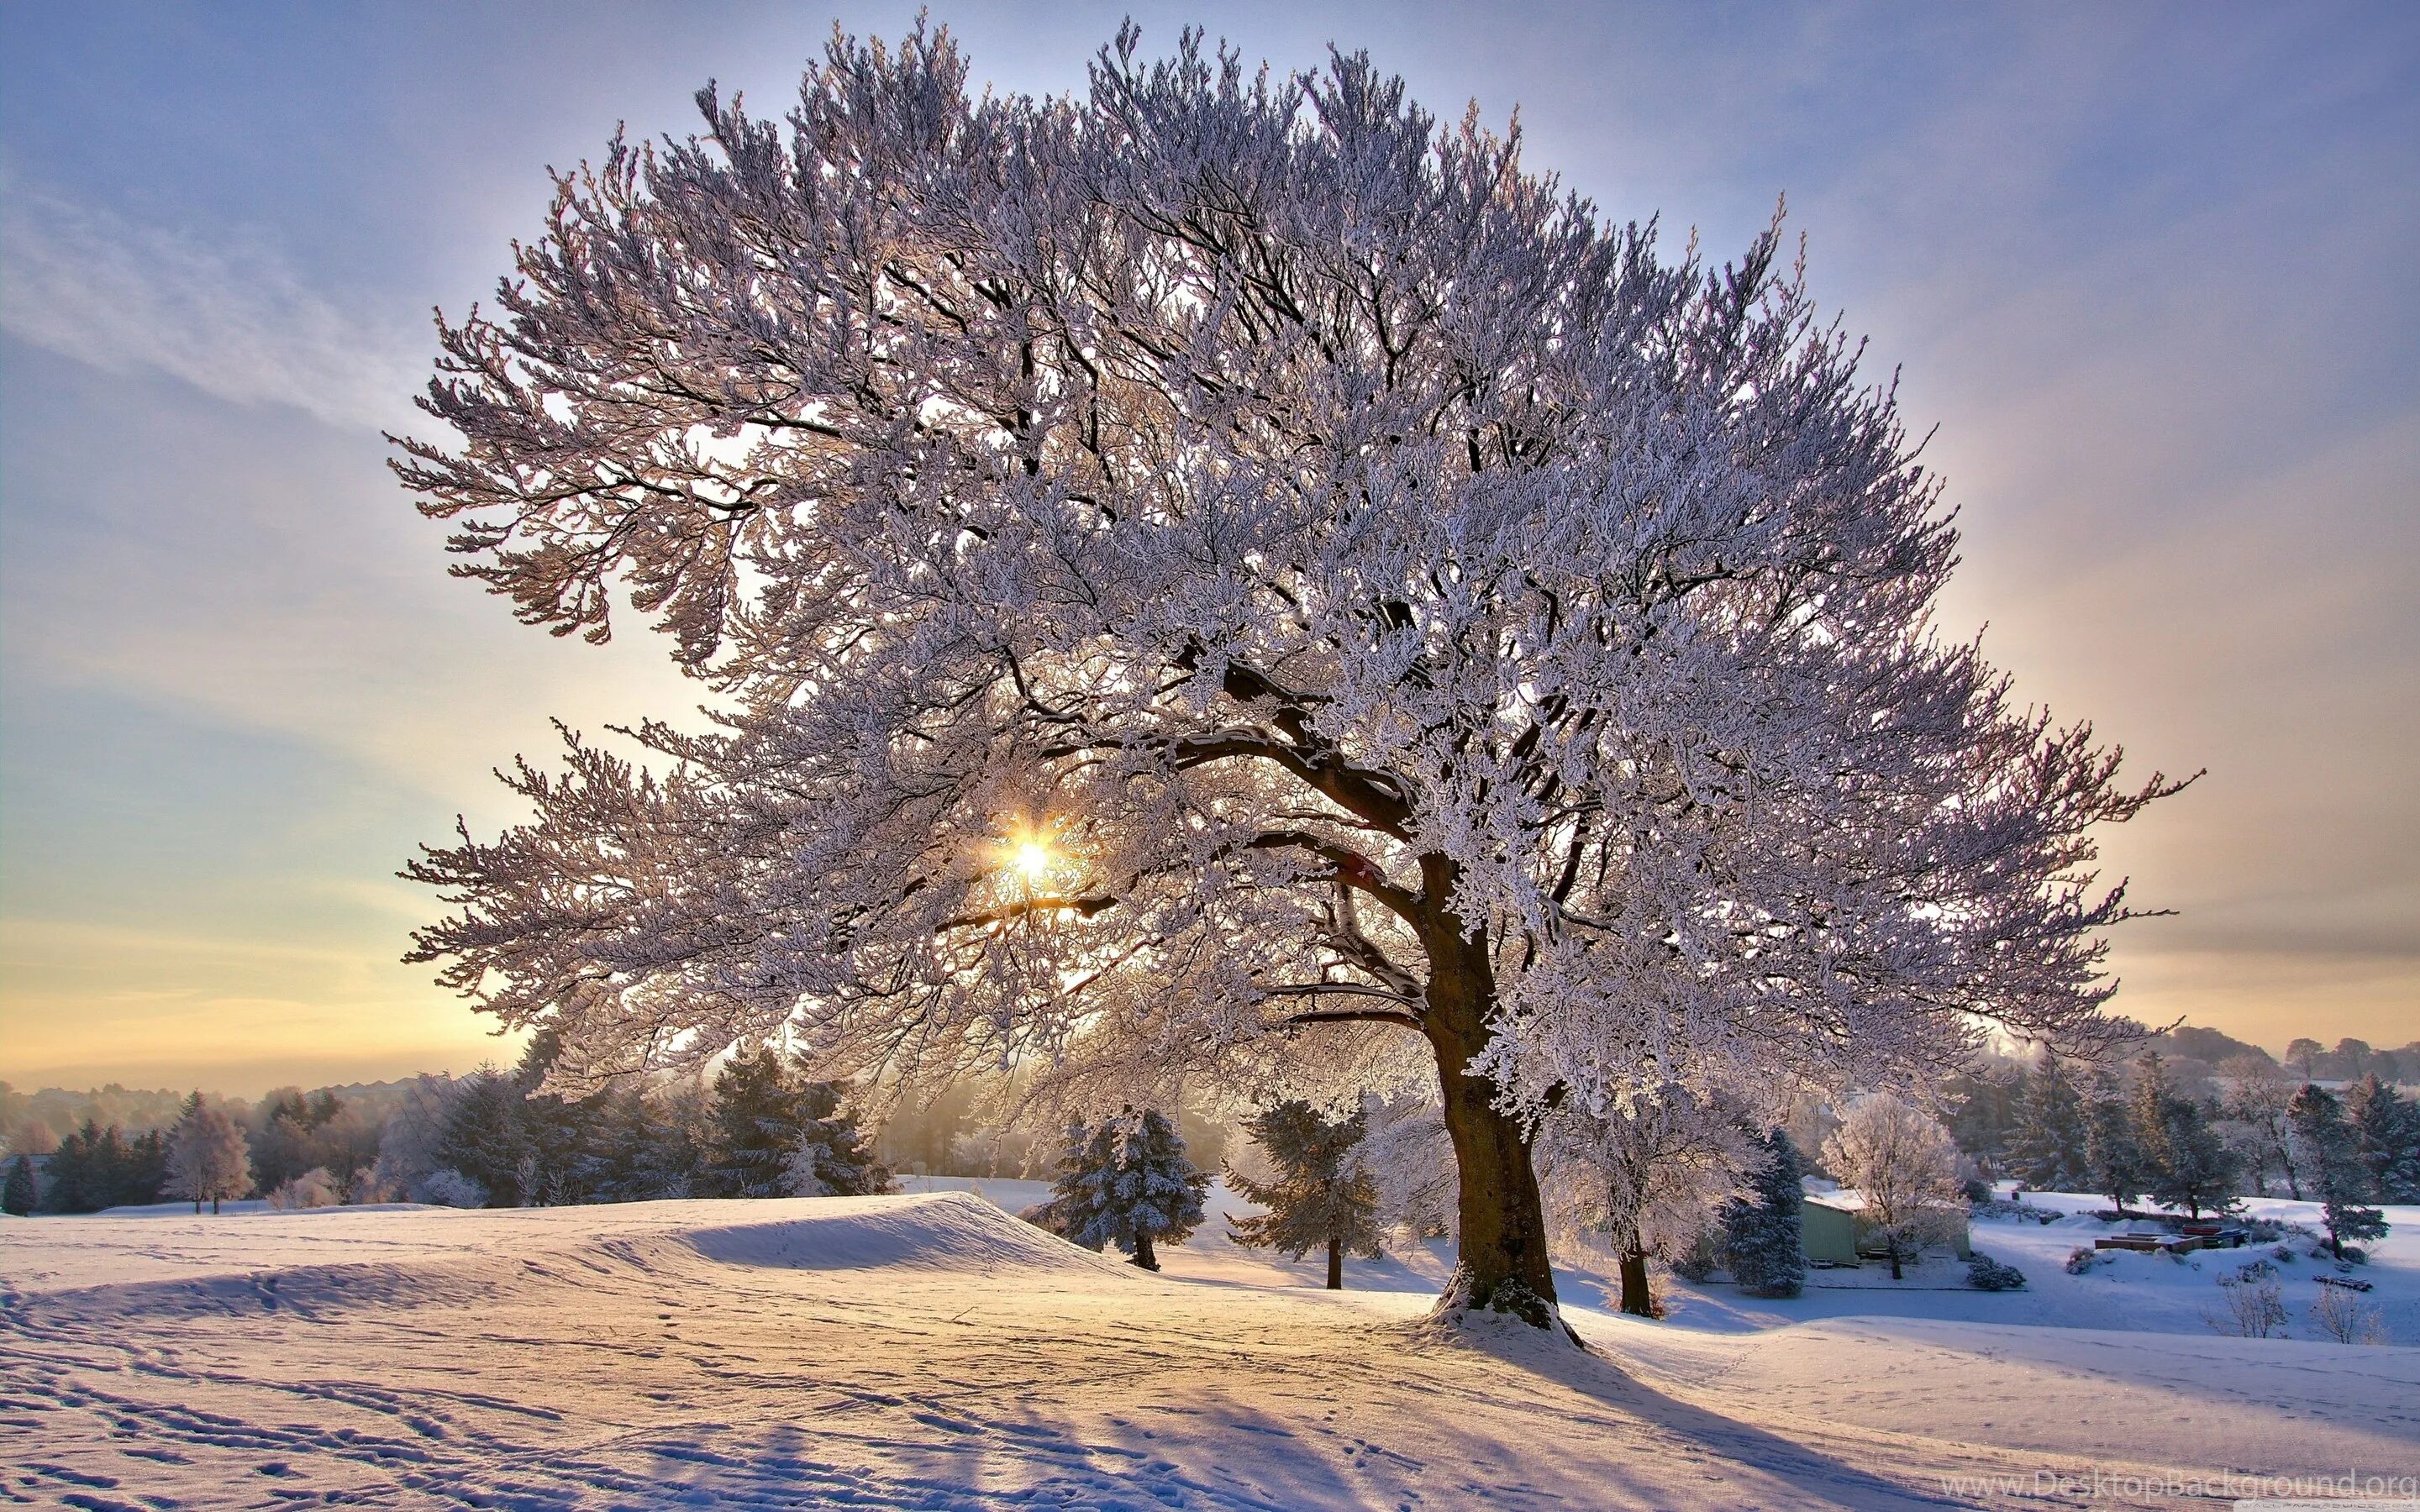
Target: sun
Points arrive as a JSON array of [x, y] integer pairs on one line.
[[1034, 858]]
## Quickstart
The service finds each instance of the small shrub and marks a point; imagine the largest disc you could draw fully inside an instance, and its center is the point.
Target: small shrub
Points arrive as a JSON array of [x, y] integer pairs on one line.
[[2337, 1315], [449, 1188], [314, 1188], [2082, 1259], [2253, 1308], [1985, 1273], [1699, 1260]]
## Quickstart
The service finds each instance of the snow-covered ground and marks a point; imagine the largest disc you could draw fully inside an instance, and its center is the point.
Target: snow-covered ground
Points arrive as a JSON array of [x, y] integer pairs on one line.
[[927, 1350]]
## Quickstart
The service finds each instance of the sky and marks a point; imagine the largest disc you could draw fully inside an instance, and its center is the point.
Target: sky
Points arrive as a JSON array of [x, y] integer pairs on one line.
[[2143, 271]]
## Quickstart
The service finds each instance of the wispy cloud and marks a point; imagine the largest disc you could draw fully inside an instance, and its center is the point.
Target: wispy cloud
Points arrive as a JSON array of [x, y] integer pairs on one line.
[[230, 317]]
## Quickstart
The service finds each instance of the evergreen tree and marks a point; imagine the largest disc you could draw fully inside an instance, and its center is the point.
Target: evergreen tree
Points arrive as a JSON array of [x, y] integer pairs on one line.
[[483, 1139], [142, 1170], [1764, 1238], [1128, 1183], [208, 1160], [2332, 1156], [2047, 1147], [89, 1170], [22, 1189], [1983, 1120], [2386, 1138], [1320, 1195], [2196, 1170], [779, 1134], [2113, 1158]]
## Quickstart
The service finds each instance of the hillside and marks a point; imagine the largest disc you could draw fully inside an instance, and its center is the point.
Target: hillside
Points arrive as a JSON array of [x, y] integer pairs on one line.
[[929, 1350]]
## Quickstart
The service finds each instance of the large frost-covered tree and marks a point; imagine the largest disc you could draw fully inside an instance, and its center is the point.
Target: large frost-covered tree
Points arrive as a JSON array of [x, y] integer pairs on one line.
[[1219, 557]]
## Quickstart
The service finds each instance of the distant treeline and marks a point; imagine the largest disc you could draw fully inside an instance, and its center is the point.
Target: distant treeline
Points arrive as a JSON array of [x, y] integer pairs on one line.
[[760, 1127]]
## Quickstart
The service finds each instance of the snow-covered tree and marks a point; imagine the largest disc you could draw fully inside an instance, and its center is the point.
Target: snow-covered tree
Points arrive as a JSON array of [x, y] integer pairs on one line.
[[407, 1141], [1409, 1157], [2331, 1152], [1125, 1181], [1320, 1196], [1649, 1178], [482, 1138], [208, 1158], [2047, 1151], [1217, 556], [2386, 1140], [1764, 1241], [1903, 1164], [2188, 1165], [22, 1189], [2114, 1159], [780, 1134], [2256, 1094]]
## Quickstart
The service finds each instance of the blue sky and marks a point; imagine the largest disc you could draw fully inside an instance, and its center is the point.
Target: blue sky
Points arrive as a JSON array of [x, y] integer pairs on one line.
[[2145, 267]]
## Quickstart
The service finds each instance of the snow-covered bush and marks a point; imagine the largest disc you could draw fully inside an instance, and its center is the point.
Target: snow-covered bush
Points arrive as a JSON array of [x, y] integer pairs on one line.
[[2083, 1259], [314, 1188], [1985, 1273], [446, 1187]]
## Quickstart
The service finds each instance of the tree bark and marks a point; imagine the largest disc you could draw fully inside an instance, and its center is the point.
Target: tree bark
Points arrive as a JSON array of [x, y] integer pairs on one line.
[[1335, 1263], [1503, 1264], [1142, 1254], [1637, 1298]]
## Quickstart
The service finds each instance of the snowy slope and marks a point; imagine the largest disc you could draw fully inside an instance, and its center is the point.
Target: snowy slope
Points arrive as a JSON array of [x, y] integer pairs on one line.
[[929, 1350]]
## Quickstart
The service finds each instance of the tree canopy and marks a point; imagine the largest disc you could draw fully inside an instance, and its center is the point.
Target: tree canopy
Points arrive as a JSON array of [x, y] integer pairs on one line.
[[1222, 555]]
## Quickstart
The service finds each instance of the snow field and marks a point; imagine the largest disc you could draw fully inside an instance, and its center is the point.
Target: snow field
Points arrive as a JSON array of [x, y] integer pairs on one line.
[[929, 1350]]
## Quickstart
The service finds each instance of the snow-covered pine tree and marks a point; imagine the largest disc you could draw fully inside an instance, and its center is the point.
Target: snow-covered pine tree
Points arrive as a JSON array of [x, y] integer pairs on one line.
[[2331, 1152], [1764, 1246], [2047, 1151], [1124, 1182], [834, 1160], [482, 1138], [208, 1158], [758, 1131], [2114, 1160], [779, 1134], [1320, 1198], [2386, 1140], [1904, 1165], [2196, 1170], [1211, 556], [22, 1189]]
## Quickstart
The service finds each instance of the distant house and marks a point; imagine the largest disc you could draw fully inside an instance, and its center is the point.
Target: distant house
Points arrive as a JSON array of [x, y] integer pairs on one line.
[[1834, 1227]]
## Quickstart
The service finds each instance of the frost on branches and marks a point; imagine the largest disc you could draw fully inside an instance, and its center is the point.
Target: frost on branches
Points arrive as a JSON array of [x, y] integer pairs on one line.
[[1214, 572]]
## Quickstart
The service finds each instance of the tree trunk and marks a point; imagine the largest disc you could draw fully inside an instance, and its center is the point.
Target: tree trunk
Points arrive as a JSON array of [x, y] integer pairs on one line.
[[1637, 1298], [214, 1207], [1142, 1255], [1503, 1264], [1335, 1263]]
